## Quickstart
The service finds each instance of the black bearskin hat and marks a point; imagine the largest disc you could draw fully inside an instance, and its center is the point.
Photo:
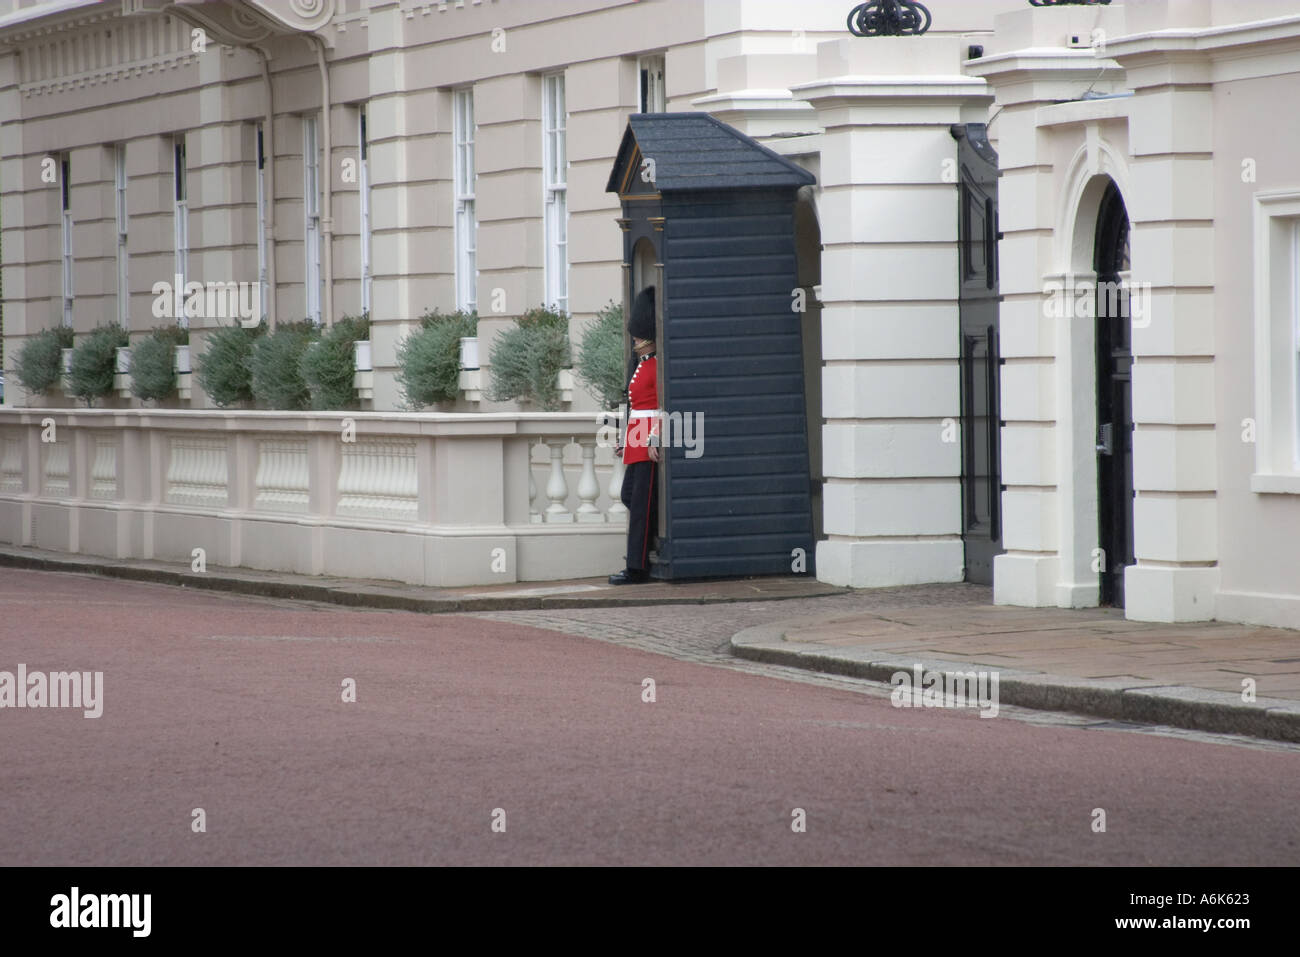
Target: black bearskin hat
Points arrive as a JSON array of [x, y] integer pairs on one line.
[[642, 323]]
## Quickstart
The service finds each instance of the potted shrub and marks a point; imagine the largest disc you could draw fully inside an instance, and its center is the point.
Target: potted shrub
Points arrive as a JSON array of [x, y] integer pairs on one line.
[[328, 367], [527, 359], [225, 369], [154, 366], [429, 359], [602, 361], [277, 366], [94, 363], [39, 364]]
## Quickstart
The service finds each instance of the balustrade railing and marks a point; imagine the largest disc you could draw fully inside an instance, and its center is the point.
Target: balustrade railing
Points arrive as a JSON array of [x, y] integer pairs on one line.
[[452, 478]]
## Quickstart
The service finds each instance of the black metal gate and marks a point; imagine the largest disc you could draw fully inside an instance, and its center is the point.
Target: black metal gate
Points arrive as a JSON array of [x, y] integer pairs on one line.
[[981, 482], [1114, 399]]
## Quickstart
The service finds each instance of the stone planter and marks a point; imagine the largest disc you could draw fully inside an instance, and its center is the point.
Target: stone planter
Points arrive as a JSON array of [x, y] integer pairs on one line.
[[122, 372], [183, 372], [471, 376], [469, 353], [363, 378]]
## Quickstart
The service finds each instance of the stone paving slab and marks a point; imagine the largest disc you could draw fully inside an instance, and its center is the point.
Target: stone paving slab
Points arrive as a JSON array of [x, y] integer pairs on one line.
[[1187, 676], [352, 592]]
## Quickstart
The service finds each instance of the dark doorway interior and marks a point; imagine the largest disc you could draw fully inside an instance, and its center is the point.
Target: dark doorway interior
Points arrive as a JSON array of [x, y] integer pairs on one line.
[[1114, 399], [981, 481]]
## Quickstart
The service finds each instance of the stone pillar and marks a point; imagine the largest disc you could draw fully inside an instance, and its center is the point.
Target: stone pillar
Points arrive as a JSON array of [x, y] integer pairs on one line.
[[1171, 211], [890, 323], [1048, 383], [19, 173], [412, 240]]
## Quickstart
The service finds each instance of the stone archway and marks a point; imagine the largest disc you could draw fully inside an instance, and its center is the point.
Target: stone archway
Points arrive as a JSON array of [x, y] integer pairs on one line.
[[1095, 167]]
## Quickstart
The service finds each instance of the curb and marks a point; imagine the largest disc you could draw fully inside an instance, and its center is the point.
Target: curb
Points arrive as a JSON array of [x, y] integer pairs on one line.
[[378, 596], [1198, 709]]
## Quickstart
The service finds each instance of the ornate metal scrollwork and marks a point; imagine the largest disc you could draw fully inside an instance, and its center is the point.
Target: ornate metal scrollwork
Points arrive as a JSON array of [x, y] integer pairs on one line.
[[1068, 3], [889, 18]]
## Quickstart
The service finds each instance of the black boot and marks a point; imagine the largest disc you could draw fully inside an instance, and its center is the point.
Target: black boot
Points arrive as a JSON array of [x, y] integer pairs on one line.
[[629, 576]]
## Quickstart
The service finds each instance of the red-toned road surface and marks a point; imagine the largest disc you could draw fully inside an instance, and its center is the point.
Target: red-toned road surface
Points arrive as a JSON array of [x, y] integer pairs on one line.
[[235, 706]]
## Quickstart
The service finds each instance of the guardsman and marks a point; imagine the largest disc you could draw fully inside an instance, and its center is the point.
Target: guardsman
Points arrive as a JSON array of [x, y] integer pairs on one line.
[[641, 446]]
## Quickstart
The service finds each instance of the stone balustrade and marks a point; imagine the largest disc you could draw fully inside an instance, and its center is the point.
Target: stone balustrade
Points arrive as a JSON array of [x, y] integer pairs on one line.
[[423, 498]]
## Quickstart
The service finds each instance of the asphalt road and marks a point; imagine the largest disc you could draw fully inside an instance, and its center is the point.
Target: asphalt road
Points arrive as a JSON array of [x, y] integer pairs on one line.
[[235, 706]]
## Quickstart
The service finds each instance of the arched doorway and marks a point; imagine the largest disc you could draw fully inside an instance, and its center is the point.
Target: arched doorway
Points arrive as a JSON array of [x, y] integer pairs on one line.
[[1114, 397]]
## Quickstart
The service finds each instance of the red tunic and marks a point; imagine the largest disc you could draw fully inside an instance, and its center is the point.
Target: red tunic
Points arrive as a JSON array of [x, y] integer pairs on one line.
[[643, 395]]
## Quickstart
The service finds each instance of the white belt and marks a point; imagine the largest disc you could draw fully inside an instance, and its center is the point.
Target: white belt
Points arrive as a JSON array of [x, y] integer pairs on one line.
[[644, 414]]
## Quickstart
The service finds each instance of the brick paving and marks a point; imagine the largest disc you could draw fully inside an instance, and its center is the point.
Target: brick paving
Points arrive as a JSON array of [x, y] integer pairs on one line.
[[1093, 644], [957, 622], [703, 632]]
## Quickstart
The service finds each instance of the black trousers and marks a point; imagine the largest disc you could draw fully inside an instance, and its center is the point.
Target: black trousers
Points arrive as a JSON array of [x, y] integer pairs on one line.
[[641, 496]]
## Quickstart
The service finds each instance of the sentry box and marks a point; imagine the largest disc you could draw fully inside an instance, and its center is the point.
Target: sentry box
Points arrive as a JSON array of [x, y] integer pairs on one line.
[[723, 228]]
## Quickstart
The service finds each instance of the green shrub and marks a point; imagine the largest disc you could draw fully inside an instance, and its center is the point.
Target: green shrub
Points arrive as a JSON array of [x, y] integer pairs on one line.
[[527, 356], [225, 370], [428, 359], [277, 366], [40, 362], [94, 362], [602, 361], [153, 363], [329, 365]]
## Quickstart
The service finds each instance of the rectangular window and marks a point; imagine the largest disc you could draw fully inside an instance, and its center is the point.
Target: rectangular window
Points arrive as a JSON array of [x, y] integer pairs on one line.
[[119, 205], [312, 224], [555, 185], [261, 220], [65, 225], [181, 221], [364, 186], [466, 221], [653, 97], [1276, 423]]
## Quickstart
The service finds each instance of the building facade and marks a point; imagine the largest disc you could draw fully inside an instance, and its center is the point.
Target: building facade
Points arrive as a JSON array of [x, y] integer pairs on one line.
[[1048, 271]]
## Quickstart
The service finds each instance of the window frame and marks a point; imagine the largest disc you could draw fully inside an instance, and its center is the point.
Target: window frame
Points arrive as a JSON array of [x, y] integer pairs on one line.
[[1277, 342], [363, 186], [259, 147], [465, 206], [180, 224], [652, 92], [555, 198], [122, 218], [66, 254]]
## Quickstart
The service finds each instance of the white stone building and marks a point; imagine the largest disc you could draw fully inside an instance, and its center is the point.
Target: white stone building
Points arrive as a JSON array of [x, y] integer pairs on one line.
[[965, 378]]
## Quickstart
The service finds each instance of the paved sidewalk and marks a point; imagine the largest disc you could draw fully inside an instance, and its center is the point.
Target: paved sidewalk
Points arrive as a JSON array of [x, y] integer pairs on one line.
[[1090, 661], [362, 593]]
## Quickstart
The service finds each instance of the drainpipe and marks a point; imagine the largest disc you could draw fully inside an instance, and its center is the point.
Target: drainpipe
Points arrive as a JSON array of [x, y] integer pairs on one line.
[[327, 212], [268, 149]]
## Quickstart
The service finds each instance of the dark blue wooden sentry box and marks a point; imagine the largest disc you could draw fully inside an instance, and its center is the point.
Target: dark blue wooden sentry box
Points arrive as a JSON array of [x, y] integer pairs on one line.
[[708, 219]]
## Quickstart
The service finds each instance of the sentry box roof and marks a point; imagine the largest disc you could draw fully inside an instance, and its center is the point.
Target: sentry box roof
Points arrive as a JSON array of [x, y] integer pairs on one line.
[[695, 151]]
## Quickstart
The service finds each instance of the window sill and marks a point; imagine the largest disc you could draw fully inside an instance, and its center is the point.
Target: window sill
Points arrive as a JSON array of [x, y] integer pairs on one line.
[[1275, 484]]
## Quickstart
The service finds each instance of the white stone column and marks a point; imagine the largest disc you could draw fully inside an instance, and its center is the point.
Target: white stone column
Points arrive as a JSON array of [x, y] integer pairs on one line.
[[1171, 211], [412, 245], [890, 322], [1048, 381]]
